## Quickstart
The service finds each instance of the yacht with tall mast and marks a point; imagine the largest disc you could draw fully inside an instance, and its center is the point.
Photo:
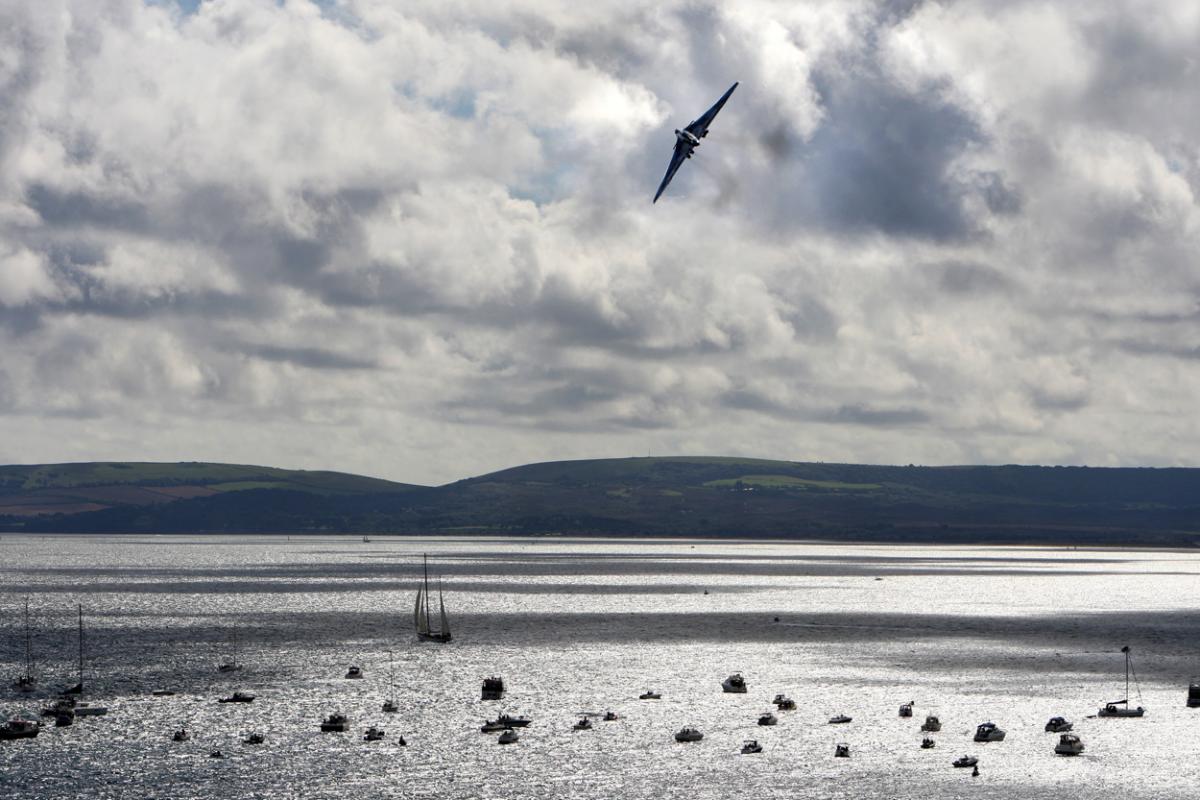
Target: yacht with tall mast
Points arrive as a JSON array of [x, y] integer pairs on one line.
[[1120, 708], [390, 706], [27, 680], [421, 617], [83, 709], [232, 665]]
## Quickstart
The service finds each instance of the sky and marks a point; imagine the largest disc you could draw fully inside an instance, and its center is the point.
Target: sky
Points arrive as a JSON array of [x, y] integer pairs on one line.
[[415, 240]]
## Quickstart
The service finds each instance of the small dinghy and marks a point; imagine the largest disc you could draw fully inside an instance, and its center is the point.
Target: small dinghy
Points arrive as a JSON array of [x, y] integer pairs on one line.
[[254, 738], [650, 695], [966, 761], [768, 719], [508, 737], [841, 751], [751, 746], [584, 724], [840, 719], [1058, 725], [373, 734], [928, 743], [688, 734]]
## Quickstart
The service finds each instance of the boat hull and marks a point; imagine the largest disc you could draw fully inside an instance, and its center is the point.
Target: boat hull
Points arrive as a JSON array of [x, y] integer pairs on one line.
[[440, 638]]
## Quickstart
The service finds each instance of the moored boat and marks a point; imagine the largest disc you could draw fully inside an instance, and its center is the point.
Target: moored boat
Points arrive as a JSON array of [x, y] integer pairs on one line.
[[493, 688], [784, 703], [19, 728], [508, 737], [355, 673], [181, 735], [1058, 725], [650, 695], [989, 732], [1193, 699], [841, 750], [254, 738], [768, 719], [513, 722], [932, 724], [688, 734], [906, 710], [238, 697], [610, 716], [751, 746], [1068, 745], [840, 719], [1121, 708], [584, 724], [966, 761], [734, 684], [335, 723], [928, 743], [373, 734]]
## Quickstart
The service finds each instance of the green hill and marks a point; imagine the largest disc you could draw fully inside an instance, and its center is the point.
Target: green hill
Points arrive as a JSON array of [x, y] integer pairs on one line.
[[680, 496], [56, 489]]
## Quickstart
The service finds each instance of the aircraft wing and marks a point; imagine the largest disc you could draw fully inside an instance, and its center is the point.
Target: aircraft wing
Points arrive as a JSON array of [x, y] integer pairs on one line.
[[699, 128], [678, 157]]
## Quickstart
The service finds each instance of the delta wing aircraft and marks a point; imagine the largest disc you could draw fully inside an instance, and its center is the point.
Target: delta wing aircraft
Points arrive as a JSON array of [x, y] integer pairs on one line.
[[688, 139]]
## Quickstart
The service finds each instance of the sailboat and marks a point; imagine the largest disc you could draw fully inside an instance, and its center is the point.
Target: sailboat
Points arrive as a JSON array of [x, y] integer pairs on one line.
[[1120, 708], [421, 613], [27, 680], [232, 665], [84, 709], [390, 706]]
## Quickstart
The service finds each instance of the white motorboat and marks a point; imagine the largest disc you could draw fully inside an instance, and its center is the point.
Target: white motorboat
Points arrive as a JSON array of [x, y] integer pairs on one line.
[[688, 734], [508, 737], [989, 732], [734, 684], [932, 724], [1068, 745], [768, 719], [1120, 708], [966, 761], [1058, 725]]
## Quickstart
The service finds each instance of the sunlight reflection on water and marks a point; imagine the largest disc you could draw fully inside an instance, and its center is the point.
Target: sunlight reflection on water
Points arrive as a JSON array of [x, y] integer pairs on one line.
[[971, 634]]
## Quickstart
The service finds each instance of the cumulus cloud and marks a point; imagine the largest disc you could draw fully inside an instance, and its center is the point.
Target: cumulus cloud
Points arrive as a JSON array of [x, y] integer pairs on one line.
[[417, 241]]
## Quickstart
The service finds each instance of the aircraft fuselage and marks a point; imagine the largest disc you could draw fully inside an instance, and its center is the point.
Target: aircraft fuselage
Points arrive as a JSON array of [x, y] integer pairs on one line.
[[688, 138]]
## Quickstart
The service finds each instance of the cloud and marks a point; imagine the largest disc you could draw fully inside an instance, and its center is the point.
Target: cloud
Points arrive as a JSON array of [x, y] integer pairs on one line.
[[418, 242]]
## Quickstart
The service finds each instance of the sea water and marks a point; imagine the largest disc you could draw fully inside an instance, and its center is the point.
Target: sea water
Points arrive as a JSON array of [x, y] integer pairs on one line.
[[971, 634]]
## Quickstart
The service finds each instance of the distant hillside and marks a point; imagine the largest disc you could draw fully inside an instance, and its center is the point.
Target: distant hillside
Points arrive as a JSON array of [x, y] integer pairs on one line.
[[66, 489], [684, 496]]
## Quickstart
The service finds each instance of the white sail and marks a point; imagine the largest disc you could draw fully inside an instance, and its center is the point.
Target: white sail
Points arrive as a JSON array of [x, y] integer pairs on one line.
[[418, 616], [445, 621]]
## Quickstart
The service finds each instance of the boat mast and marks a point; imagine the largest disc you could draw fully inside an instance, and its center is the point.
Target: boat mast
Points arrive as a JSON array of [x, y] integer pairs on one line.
[[81, 648], [28, 644], [1125, 650], [427, 628]]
